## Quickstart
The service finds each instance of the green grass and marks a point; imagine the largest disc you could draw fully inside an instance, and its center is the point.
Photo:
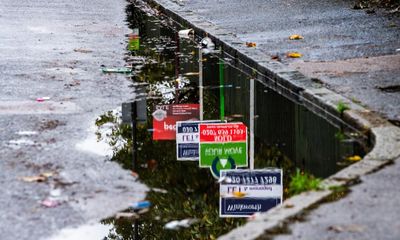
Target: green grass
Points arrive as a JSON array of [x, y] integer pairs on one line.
[[340, 135], [341, 107], [301, 182]]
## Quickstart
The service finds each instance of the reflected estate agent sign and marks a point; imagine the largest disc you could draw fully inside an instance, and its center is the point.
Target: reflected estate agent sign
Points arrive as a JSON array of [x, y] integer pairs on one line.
[[223, 142], [141, 114], [245, 192], [166, 116], [134, 40], [139, 105], [188, 139]]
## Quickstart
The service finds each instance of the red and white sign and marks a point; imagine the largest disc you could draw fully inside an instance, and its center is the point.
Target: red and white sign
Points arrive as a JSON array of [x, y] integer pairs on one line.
[[166, 116], [223, 132]]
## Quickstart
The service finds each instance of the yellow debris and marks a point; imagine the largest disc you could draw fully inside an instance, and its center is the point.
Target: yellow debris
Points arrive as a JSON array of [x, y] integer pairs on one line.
[[294, 55], [354, 158], [296, 37]]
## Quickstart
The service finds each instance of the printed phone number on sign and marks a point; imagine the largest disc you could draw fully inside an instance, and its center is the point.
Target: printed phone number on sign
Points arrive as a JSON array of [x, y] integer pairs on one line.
[[252, 180], [189, 129], [211, 132]]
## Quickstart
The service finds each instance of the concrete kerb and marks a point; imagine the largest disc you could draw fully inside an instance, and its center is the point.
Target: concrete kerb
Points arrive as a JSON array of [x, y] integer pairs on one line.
[[386, 149], [384, 136]]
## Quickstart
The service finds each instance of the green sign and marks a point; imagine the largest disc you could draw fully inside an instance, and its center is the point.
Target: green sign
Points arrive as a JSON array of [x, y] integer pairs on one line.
[[134, 43], [235, 150]]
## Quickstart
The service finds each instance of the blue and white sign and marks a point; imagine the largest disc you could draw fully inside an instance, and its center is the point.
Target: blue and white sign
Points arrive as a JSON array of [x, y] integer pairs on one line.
[[245, 192], [188, 139]]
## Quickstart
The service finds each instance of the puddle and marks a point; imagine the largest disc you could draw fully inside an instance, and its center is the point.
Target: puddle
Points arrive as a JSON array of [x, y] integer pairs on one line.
[[99, 139], [287, 136], [92, 145], [95, 231]]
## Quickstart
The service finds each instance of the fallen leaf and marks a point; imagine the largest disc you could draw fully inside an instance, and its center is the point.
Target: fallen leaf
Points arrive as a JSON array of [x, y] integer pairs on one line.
[[354, 158], [39, 178], [81, 50], [47, 174], [275, 57], [294, 55], [346, 228], [34, 179], [335, 228], [288, 205], [251, 44], [296, 37]]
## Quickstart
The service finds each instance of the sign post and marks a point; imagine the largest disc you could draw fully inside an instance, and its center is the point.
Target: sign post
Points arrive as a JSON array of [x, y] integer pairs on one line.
[[251, 150], [221, 89], [245, 192], [201, 83]]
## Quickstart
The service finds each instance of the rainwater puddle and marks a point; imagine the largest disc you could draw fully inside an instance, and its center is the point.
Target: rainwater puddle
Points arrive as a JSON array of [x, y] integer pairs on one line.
[[98, 141], [184, 198], [89, 232], [94, 145]]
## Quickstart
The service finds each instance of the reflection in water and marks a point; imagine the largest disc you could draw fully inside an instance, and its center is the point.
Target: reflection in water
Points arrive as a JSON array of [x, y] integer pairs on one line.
[[286, 135]]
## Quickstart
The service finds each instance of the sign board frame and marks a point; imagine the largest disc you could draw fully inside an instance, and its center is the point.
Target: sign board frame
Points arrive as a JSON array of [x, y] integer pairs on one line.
[[262, 189]]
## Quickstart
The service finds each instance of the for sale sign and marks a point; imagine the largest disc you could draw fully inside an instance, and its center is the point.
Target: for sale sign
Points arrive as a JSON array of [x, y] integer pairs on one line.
[[222, 144], [188, 139], [245, 192], [166, 116]]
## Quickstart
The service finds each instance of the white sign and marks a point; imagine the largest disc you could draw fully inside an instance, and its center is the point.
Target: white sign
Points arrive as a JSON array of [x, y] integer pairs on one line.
[[188, 139], [245, 192]]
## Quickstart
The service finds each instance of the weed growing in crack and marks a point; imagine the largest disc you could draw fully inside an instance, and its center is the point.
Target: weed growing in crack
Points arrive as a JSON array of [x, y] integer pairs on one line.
[[301, 182]]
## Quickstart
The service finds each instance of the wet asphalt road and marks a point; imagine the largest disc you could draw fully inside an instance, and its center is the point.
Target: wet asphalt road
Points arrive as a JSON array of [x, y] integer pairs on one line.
[[55, 49], [333, 33]]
